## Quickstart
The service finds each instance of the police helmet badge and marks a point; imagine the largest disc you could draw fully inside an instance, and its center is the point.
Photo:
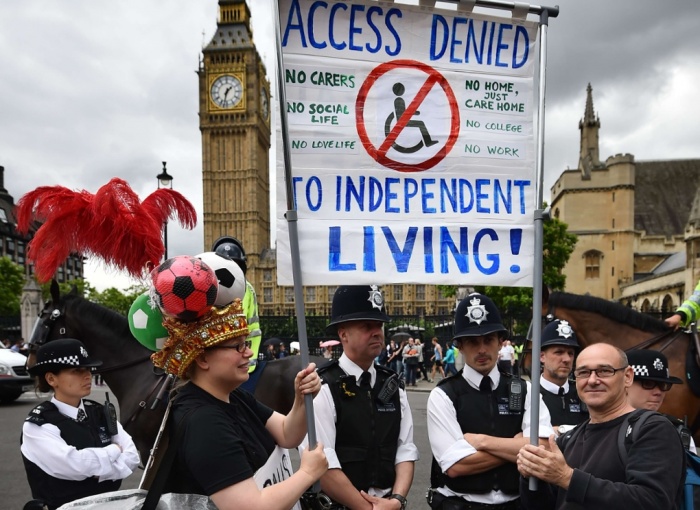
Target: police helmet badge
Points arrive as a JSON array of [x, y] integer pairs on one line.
[[375, 297], [564, 330], [476, 312], [658, 364]]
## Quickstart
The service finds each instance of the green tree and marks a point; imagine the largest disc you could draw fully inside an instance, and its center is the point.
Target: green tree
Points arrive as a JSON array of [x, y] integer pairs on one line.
[[11, 283], [515, 303], [115, 299]]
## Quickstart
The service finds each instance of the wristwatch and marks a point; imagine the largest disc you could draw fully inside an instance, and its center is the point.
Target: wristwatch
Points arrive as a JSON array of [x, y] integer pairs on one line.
[[400, 499]]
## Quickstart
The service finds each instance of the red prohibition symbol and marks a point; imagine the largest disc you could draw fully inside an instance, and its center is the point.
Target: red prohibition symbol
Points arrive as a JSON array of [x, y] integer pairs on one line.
[[379, 154]]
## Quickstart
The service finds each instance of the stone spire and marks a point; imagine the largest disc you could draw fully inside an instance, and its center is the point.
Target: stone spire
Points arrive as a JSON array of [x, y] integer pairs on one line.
[[589, 157]]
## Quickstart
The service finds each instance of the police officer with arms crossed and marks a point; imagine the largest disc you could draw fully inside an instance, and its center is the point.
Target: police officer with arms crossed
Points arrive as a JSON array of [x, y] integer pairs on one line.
[[559, 347], [70, 448], [232, 249], [479, 418], [362, 413]]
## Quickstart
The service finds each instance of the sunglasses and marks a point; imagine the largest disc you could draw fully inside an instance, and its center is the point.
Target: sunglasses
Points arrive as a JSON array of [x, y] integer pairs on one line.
[[650, 385], [240, 347]]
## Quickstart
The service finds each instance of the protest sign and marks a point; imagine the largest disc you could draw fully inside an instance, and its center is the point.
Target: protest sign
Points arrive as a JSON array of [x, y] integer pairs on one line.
[[411, 138]]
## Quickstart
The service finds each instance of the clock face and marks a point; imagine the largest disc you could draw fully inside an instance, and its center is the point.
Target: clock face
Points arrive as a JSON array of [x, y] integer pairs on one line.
[[264, 103], [226, 91]]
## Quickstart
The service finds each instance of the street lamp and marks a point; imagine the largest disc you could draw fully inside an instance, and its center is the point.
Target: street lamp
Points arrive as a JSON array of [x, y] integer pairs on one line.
[[165, 180]]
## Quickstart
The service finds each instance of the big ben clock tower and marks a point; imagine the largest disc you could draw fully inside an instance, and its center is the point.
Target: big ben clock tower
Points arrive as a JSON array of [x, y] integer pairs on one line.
[[234, 118]]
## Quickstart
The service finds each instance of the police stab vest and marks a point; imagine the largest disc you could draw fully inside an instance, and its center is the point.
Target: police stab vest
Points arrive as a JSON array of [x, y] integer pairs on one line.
[[483, 413], [367, 430], [90, 433], [566, 409]]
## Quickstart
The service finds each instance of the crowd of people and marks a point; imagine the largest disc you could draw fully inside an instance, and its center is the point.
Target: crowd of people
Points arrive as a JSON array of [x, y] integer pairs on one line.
[[478, 419]]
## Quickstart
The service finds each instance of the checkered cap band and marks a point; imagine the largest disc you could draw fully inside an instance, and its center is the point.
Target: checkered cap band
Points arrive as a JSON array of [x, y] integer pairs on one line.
[[62, 360], [640, 370]]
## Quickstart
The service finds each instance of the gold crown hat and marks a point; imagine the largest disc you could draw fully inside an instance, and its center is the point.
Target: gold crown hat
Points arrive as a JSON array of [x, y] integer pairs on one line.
[[187, 340]]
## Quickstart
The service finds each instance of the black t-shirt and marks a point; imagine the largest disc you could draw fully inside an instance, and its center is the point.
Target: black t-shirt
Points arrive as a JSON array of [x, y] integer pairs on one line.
[[651, 480], [222, 444]]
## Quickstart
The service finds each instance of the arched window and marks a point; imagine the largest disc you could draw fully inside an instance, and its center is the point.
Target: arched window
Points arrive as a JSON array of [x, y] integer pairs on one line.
[[592, 264], [646, 306], [667, 304]]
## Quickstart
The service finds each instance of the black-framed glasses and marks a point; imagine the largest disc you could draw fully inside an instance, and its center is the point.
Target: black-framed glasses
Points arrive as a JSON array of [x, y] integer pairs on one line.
[[650, 385], [239, 347], [600, 373]]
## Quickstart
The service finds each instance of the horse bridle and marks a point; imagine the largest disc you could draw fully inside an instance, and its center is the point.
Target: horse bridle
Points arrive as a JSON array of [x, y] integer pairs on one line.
[[43, 327]]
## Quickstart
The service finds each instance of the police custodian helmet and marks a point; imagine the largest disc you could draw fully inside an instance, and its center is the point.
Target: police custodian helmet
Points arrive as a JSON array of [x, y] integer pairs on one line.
[[230, 248], [356, 303], [476, 315], [559, 332]]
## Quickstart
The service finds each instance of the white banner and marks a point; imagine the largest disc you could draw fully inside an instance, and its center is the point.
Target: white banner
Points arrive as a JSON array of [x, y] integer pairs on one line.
[[412, 144], [277, 469]]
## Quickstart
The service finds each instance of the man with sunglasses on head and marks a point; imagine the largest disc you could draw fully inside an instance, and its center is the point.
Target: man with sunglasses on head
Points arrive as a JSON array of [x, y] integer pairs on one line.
[[584, 468], [652, 381]]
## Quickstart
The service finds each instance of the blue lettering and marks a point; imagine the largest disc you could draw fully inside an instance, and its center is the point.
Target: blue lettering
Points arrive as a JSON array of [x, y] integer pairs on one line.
[[390, 195], [521, 185], [494, 258], [427, 195], [471, 42], [295, 180], [520, 32], [460, 256], [501, 45], [294, 11], [410, 190], [334, 263], [358, 194], [338, 187], [331, 21], [433, 37], [319, 193], [368, 253], [450, 194], [370, 12], [505, 197], [397, 49], [401, 257], [468, 207], [312, 39], [482, 196], [353, 29], [428, 249], [375, 194], [455, 41]]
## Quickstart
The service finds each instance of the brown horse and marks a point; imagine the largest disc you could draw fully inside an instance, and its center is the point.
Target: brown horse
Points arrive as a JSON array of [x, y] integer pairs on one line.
[[598, 320], [129, 372]]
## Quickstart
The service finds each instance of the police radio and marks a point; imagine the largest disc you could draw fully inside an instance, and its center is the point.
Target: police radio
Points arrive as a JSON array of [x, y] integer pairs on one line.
[[110, 416], [390, 387], [515, 395]]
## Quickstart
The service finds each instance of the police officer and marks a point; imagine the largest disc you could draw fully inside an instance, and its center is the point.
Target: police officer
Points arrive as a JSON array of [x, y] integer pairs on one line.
[[652, 380], [70, 448], [477, 418], [559, 348], [362, 413], [232, 249]]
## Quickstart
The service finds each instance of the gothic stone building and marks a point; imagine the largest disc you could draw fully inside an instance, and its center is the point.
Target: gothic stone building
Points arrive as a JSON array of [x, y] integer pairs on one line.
[[637, 222]]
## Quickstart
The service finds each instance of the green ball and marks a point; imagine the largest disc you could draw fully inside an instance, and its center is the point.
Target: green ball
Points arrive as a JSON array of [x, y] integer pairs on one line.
[[146, 323]]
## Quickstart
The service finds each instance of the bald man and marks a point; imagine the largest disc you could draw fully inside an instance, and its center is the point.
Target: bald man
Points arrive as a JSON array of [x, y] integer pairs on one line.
[[589, 472]]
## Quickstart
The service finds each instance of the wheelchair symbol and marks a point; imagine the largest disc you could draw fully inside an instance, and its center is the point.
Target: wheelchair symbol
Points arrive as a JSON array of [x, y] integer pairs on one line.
[[399, 109]]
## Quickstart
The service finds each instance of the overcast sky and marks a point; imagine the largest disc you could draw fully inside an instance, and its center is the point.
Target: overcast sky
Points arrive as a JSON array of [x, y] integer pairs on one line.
[[91, 89]]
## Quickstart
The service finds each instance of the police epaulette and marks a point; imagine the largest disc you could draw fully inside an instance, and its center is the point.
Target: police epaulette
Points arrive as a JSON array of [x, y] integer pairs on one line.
[[88, 403], [327, 366], [389, 372], [36, 414]]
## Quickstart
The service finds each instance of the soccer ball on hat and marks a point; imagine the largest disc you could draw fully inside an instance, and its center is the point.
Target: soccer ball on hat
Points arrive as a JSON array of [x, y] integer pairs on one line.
[[185, 287], [146, 323], [230, 276]]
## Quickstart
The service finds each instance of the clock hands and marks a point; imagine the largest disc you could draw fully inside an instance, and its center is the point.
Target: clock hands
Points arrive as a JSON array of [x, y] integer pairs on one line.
[[227, 91]]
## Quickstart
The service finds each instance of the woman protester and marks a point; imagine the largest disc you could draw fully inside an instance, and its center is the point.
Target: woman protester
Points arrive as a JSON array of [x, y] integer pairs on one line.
[[72, 447], [229, 438]]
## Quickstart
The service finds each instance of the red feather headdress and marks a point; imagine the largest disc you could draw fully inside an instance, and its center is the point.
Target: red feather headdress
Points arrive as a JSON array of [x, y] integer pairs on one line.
[[113, 224]]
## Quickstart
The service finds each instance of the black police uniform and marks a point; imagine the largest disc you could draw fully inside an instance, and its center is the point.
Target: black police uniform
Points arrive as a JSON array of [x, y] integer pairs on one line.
[[90, 433]]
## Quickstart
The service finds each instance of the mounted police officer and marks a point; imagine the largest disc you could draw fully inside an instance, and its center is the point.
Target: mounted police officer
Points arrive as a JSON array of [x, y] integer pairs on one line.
[[559, 348], [71, 449], [362, 412], [232, 249], [479, 418]]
